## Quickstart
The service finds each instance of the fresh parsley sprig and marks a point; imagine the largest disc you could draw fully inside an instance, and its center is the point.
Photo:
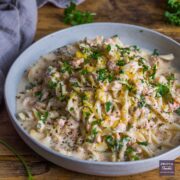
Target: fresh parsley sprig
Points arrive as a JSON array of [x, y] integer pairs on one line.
[[172, 15], [74, 17]]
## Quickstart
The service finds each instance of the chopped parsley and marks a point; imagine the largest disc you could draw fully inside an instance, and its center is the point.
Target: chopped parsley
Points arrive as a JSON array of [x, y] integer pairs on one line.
[[52, 85], [177, 111], [120, 63], [102, 74], [110, 77], [130, 87], [84, 72], [86, 114], [61, 98], [135, 48], [42, 117], [108, 106], [109, 140], [153, 73], [115, 144], [84, 97], [135, 158], [108, 47], [124, 51], [121, 72], [145, 68], [144, 143], [66, 67], [141, 62], [38, 94], [75, 84], [129, 150], [92, 136], [162, 90], [155, 52], [114, 36], [97, 122], [141, 102], [96, 55], [170, 78]]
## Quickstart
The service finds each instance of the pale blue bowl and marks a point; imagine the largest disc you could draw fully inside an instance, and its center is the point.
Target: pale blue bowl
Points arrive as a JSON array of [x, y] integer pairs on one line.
[[129, 34]]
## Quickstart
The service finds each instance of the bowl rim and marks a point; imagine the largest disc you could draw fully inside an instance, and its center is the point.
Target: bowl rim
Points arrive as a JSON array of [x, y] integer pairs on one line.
[[15, 122]]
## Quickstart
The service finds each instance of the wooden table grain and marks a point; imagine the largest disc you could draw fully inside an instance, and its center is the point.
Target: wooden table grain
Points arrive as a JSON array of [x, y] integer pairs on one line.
[[148, 13]]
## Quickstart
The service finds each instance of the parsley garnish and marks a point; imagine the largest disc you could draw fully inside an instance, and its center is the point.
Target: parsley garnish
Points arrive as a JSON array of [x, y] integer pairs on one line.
[[114, 36], [135, 48], [96, 55], [97, 122], [155, 52], [120, 63], [173, 18], [130, 87], [154, 70], [52, 85], [141, 63], [75, 17], [123, 50], [108, 47], [66, 67], [61, 98], [172, 15], [86, 114], [121, 72], [102, 74], [84, 72], [38, 94], [115, 144], [110, 77], [110, 141], [144, 143], [134, 158], [170, 78], [42, 117], [108, 106], [75, 84], [84, 97], [142, 102], [92, 135], [177, 111], [129, 150], [162, 90]]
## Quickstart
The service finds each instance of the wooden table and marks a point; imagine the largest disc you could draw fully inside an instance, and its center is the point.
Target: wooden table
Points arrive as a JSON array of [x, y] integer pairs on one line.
[[148, 13]]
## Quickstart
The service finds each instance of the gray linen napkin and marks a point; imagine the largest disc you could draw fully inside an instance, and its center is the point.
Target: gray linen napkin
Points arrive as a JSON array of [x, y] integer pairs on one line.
[[18, 20]]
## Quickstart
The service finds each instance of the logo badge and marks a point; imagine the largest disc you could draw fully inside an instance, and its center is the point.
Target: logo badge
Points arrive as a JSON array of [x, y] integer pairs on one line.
[[166, 168]]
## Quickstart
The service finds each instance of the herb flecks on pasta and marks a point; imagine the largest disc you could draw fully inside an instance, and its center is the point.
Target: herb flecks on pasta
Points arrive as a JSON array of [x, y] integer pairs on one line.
[[102, 100]]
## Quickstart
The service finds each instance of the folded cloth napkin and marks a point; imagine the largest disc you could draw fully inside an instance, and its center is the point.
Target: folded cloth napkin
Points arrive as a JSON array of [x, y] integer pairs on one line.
[[18, 20]]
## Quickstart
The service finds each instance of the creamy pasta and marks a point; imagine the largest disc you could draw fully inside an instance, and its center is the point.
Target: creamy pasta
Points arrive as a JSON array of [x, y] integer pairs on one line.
[[102, 100]]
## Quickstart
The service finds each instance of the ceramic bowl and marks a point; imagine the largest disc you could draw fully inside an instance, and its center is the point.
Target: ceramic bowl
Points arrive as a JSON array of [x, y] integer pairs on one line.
[[129, 34]]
